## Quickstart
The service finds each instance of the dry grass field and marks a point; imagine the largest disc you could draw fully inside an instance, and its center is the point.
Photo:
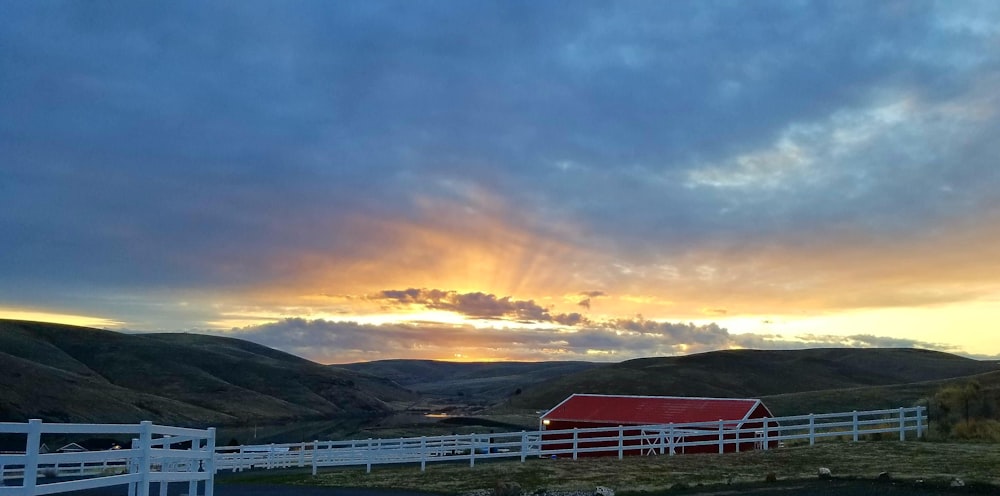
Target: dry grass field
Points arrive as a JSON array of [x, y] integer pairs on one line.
[[935, 463]]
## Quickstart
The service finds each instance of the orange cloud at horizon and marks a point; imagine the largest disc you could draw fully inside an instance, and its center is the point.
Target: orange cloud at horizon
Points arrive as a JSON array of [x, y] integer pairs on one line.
[[835, 282], [813, 277]]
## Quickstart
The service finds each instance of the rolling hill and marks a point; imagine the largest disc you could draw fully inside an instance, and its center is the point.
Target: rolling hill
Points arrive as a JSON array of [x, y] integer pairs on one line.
[[481, 381], [77, 374], [873, 397], [757, 373]]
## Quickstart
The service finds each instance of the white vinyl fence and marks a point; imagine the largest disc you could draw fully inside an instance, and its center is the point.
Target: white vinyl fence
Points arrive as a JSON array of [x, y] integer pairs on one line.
[[154, 457], [669, 439]]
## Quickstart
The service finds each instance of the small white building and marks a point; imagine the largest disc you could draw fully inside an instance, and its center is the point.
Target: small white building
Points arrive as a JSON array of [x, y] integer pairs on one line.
[[71, 448]]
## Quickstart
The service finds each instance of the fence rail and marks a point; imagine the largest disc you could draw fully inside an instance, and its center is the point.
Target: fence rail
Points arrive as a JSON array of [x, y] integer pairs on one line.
[[158, 454], [668, 439]]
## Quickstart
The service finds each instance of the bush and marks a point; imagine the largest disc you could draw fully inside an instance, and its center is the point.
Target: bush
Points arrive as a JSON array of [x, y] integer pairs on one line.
[[978, 430], [506, 488]]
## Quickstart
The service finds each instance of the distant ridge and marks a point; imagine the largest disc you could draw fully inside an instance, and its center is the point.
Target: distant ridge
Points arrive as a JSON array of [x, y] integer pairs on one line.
[[873, 397], [488, 381], [757, 373], [79, 374]]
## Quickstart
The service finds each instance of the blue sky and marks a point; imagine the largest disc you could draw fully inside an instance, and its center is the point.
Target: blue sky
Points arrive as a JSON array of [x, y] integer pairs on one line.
[[505, 180]]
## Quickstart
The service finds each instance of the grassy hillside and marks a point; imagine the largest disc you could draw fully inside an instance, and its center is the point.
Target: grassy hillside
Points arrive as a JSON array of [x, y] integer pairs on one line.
[[756, 373], [471, 381], [68, 373], [31, 390], [872, 397]]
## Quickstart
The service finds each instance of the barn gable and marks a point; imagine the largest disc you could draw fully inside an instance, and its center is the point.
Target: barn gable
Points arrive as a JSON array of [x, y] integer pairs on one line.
[[639, 410]]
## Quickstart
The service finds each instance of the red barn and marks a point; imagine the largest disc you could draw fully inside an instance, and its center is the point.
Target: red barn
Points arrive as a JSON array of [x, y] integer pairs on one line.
[[588, 411]]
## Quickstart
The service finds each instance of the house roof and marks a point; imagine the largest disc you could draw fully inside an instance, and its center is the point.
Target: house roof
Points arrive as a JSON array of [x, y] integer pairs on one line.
[[635, 410]]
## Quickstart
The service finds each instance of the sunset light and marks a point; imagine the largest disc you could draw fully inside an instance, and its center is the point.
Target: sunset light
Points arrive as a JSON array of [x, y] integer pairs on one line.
[[350, 182]]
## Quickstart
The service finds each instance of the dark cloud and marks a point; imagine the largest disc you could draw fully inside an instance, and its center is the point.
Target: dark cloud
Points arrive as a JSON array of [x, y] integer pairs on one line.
[[186, 145], [570, 319], [477, 305], [774, 341], [872, 341], [589, 296], [708, 335], [339, 342], [155, 150]]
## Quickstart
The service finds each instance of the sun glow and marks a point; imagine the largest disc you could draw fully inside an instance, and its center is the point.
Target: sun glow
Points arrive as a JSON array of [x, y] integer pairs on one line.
[[416, 318], [58, 318]]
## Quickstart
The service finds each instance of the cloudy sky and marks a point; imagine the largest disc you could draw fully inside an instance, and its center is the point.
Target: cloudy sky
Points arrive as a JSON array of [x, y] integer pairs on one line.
[[535, 180]]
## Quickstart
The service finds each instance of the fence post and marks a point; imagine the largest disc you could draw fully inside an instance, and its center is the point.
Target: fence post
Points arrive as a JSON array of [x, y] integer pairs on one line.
[[368, 457], [31, 447], [721, 435], [574, 442], [315, 455], [812, 429], [423, 453], [739, 436], [767, 443], [196, 449], [902, 424], [670, 437], [663, 442], [166, 464], [210, 463], [472, 452], [524, 445], [621, 442], [133, 467], [854, 426], [920, 422], [145, 461], [1, 474], [163, 483]]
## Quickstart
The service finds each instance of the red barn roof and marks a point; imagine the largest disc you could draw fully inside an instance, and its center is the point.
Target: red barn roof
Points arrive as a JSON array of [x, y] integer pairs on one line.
[[637, 410]]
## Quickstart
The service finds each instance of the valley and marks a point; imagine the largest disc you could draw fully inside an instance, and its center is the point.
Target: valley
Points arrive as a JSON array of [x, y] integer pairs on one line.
[[255, 394]]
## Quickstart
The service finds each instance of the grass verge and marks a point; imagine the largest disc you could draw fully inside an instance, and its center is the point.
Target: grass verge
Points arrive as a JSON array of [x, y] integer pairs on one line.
[[933, 462]]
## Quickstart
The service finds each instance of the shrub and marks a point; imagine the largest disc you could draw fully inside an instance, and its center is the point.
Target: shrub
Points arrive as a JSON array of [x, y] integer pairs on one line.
[[506, 488], [978, 430]]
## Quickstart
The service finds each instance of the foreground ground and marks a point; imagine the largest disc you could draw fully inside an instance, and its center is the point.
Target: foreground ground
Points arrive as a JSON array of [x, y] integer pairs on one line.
[[914, 467]]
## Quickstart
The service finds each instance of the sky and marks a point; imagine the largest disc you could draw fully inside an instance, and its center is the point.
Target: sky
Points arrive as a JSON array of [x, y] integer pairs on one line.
[[516, 180]]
